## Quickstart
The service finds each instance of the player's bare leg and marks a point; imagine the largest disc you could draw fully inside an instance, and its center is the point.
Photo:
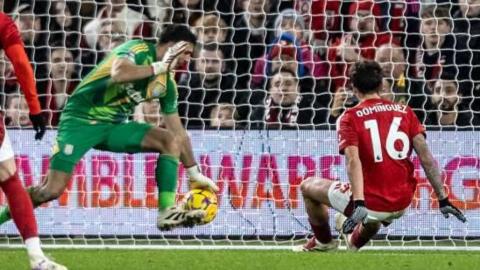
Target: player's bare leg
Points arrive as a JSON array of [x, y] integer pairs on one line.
[[51, 188], [315, 196], [22, 214], [164, 142]]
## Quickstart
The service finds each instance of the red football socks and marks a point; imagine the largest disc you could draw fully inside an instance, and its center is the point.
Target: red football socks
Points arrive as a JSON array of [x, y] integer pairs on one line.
[[21, 207], [360, 236], [322, 232]]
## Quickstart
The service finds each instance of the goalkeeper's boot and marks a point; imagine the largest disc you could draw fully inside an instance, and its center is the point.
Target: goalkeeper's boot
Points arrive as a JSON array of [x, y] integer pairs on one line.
[[46, 264], [339, 220], [313, 245], [178, 217]]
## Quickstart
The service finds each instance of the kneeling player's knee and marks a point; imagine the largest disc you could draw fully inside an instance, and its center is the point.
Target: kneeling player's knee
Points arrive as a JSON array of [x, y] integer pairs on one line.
[[306, 185], [315, 187]]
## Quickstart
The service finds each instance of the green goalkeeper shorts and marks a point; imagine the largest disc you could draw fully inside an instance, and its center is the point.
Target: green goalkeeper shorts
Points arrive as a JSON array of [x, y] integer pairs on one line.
[[76, 137]]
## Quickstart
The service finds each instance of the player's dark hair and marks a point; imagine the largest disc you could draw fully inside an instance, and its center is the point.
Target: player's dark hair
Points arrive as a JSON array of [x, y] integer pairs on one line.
[[366, 76], [176, 33]]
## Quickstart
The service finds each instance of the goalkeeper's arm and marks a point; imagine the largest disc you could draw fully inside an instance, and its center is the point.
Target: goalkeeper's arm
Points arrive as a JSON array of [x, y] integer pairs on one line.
[[125, 70], [433, 174], [174, 124], [197, 179]]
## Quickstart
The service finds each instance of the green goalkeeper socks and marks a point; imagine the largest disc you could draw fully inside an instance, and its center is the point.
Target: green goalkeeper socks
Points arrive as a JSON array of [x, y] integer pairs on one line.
[[4, 215], [166, 175]]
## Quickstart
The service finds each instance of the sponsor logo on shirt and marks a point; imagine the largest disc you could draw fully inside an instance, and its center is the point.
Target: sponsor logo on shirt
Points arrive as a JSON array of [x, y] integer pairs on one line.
[[68, 149]]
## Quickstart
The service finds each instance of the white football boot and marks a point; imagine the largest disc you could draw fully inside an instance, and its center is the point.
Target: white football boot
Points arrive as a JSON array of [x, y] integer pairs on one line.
[[46, 264], [313, 245], [176, 216]]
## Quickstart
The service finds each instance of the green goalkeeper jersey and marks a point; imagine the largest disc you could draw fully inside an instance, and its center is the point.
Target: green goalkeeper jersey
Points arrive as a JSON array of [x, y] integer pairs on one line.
[[98, 99]]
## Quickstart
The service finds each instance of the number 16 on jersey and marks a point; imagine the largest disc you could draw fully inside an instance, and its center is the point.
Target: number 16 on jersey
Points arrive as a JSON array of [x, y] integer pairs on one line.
[[394, 134]]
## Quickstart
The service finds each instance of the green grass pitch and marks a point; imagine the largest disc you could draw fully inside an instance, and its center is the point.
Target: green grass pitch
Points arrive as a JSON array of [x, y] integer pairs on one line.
[[246, 259]]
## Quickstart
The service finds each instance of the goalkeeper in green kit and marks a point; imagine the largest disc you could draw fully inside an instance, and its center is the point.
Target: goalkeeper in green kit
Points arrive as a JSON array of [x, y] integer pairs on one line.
[[96, 116]]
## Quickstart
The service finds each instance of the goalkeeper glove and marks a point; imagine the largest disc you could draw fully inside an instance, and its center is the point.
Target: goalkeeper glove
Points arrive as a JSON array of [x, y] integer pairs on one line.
[[447, 208], [359, 215], [198, 180], [38, 123], [169, 58]]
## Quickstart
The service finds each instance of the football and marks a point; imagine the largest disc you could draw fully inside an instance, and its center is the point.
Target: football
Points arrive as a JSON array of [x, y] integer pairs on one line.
[[201, 199]]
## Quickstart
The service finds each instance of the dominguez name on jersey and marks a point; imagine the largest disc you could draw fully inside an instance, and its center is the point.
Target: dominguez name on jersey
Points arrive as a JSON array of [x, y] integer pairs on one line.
[[381, 108]]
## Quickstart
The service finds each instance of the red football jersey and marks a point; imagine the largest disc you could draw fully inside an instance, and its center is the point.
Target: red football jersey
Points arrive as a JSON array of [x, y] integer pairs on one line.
[[9, 33], [383, 131], [11, 42]]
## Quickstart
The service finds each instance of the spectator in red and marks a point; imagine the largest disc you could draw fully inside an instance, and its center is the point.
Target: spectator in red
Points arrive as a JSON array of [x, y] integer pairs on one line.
[[323, 18], [62, 82], [360, 43]]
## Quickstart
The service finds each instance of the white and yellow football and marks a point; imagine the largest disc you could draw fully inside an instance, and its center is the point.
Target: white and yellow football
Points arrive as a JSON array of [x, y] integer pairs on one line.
[[201, 199]]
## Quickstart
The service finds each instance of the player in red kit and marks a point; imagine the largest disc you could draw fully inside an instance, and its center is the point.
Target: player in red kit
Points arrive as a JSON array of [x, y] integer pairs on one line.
[[18, 199], [377, 137]]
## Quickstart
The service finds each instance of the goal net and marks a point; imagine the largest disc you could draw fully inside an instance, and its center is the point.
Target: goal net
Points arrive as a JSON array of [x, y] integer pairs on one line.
[[259, 99]]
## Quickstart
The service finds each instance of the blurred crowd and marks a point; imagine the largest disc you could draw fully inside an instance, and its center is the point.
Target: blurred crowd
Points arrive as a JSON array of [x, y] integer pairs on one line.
[[263, 63]]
